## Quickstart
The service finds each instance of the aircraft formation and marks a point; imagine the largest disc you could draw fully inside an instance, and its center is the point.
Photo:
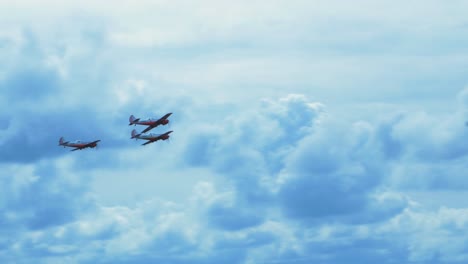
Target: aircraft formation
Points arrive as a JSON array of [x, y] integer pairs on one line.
[[150, 123]]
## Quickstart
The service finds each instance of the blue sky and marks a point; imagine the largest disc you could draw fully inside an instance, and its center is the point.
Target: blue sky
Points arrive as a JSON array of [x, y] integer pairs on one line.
[[304, 131]]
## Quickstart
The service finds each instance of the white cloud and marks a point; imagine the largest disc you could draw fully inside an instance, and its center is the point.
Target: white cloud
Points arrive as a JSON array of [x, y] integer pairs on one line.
[[278, 181], [245, 209], [432, 236]]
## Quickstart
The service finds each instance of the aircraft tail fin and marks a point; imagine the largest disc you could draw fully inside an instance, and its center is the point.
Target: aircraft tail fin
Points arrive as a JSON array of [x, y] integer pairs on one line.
[[62, 141], [134, 133], [132, 120]]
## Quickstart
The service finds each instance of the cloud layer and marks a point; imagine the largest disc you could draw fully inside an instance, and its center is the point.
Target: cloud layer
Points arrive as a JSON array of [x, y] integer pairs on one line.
[[305, 132], [303, 187]]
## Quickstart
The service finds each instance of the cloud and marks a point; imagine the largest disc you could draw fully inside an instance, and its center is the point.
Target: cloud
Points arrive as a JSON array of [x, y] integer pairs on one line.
[[292, 153], [46, 109], [206, 50], [250, 149], [42, 196], [432, 237], [30, 85], [277, 180], [34, 136], [335, 174], [225, 210], [463, 102], [233, 218], [429, 150], [303, 187]]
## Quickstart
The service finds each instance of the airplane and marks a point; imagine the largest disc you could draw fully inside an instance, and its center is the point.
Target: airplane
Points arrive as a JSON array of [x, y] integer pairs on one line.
[[151, 137], [78, 145], [151, 123]]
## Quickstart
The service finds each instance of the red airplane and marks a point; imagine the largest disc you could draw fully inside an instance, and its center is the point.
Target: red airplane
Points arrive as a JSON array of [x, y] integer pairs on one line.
[[78, 145], [150, 137], [151, 123]]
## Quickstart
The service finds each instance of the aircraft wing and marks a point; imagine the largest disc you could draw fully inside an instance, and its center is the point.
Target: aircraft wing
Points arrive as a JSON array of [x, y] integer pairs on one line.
[[167, 133], [90, 144], [150, 141], [79, 148], [165, 117], [150, 127], [157, 123]]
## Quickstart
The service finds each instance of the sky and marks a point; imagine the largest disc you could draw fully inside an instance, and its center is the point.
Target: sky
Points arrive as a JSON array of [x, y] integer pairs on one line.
[[315, 131]]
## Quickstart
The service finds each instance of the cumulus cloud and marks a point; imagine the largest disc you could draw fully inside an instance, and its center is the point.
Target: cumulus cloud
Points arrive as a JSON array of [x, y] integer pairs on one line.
[[328, 172], [290, 151], [33, 136], [430, 149], [184, 47], [303, 187], [336, 173], [29, 85], [41, 104], [277, 180], [432, 237], [249, 151], [53, 197], [36, 200]]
